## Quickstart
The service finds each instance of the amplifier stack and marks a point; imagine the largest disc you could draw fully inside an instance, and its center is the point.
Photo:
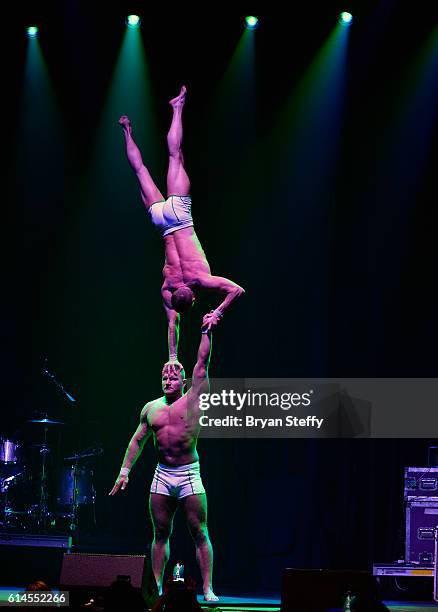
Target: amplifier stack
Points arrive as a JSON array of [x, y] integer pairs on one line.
[[421, 508]]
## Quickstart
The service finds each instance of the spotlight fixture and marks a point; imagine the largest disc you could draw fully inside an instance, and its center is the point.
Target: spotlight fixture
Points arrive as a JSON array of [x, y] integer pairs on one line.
[[133, 21], [32, 31], [251, 22], [345, 18]]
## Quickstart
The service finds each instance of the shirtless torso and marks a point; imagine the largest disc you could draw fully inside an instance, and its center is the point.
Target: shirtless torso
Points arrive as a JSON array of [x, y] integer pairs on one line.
[[175, 429]]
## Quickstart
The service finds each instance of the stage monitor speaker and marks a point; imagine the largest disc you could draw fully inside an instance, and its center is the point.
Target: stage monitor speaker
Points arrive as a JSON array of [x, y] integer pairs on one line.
[[21, 565], [317, 590], [98, 570]]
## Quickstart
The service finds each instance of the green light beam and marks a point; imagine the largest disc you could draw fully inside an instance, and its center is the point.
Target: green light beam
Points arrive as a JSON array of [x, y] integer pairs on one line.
[[232, 113], [39, 145], [130, 93], [307, 130], [118, 251], [409, 131]]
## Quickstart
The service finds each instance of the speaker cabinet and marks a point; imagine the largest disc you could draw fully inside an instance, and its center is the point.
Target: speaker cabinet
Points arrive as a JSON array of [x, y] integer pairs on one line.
[[97, 570]]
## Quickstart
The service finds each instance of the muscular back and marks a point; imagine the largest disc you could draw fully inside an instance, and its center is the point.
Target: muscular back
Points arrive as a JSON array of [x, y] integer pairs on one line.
[[175, 429], [172, 271], [185, 245]]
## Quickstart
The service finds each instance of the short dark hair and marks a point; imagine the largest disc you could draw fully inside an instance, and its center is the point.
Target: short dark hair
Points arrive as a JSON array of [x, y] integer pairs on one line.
[[182, 299]]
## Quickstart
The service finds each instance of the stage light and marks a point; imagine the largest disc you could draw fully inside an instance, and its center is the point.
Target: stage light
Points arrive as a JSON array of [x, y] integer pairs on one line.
[[32, 31], [251, 22], [345, 18], [133, 21]]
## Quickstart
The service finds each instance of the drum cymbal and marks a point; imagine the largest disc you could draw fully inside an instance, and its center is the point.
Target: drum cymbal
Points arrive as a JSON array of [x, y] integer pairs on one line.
[[93, 452], [46, 421]]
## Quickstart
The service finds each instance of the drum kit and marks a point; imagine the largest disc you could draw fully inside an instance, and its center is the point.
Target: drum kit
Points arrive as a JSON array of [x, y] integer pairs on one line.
[[38, 496]]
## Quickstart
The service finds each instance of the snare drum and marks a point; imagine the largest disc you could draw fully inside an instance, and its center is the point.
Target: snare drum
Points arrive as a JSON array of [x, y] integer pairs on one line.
[[10, 451]]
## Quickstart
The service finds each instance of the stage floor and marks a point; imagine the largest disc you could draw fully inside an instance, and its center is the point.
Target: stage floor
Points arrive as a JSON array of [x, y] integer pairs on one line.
[[260, 604], [398, 606], [235, 603]]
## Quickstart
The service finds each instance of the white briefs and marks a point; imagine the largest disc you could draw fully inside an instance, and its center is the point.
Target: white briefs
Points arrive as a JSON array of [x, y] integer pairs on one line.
[[179, 481], [172, 214]]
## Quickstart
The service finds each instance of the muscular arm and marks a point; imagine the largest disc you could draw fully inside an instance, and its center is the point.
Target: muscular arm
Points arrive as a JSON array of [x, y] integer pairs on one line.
[[133, 451], [173, 319], [222, 285], [200, 371], [137, 441]]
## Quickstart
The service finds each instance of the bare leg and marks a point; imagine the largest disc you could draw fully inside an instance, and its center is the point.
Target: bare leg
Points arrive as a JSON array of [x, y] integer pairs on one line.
[[195, 508], [149, 191], [162, 509], [178, 182]]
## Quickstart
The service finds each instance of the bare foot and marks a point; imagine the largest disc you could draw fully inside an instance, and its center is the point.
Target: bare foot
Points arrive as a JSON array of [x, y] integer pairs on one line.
[[210, 596], [180, 99], [125, 122]]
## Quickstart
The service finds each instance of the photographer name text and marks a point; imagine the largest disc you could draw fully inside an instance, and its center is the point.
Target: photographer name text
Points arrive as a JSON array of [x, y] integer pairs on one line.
[[261, 423]]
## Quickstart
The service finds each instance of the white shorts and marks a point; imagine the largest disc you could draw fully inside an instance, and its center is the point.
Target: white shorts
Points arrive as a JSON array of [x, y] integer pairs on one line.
[[179, 481], [172, 214]]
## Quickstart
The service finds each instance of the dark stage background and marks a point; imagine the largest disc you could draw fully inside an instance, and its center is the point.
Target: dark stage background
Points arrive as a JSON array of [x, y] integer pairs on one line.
[[327, 217]]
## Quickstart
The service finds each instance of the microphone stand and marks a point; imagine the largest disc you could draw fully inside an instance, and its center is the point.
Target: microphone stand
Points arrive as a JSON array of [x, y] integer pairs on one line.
[[58, 384], [43, 507]]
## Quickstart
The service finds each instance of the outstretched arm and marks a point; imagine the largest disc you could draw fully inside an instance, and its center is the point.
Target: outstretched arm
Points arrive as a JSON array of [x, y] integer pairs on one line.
[[200, 382], [173, 319], [133, 452]]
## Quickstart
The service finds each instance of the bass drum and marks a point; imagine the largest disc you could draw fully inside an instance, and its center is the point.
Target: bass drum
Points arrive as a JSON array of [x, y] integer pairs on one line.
[[13, 502], [84, 486]]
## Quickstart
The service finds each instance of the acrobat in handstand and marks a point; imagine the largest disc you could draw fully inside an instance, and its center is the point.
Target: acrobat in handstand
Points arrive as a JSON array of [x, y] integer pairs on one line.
[[186, 269]]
